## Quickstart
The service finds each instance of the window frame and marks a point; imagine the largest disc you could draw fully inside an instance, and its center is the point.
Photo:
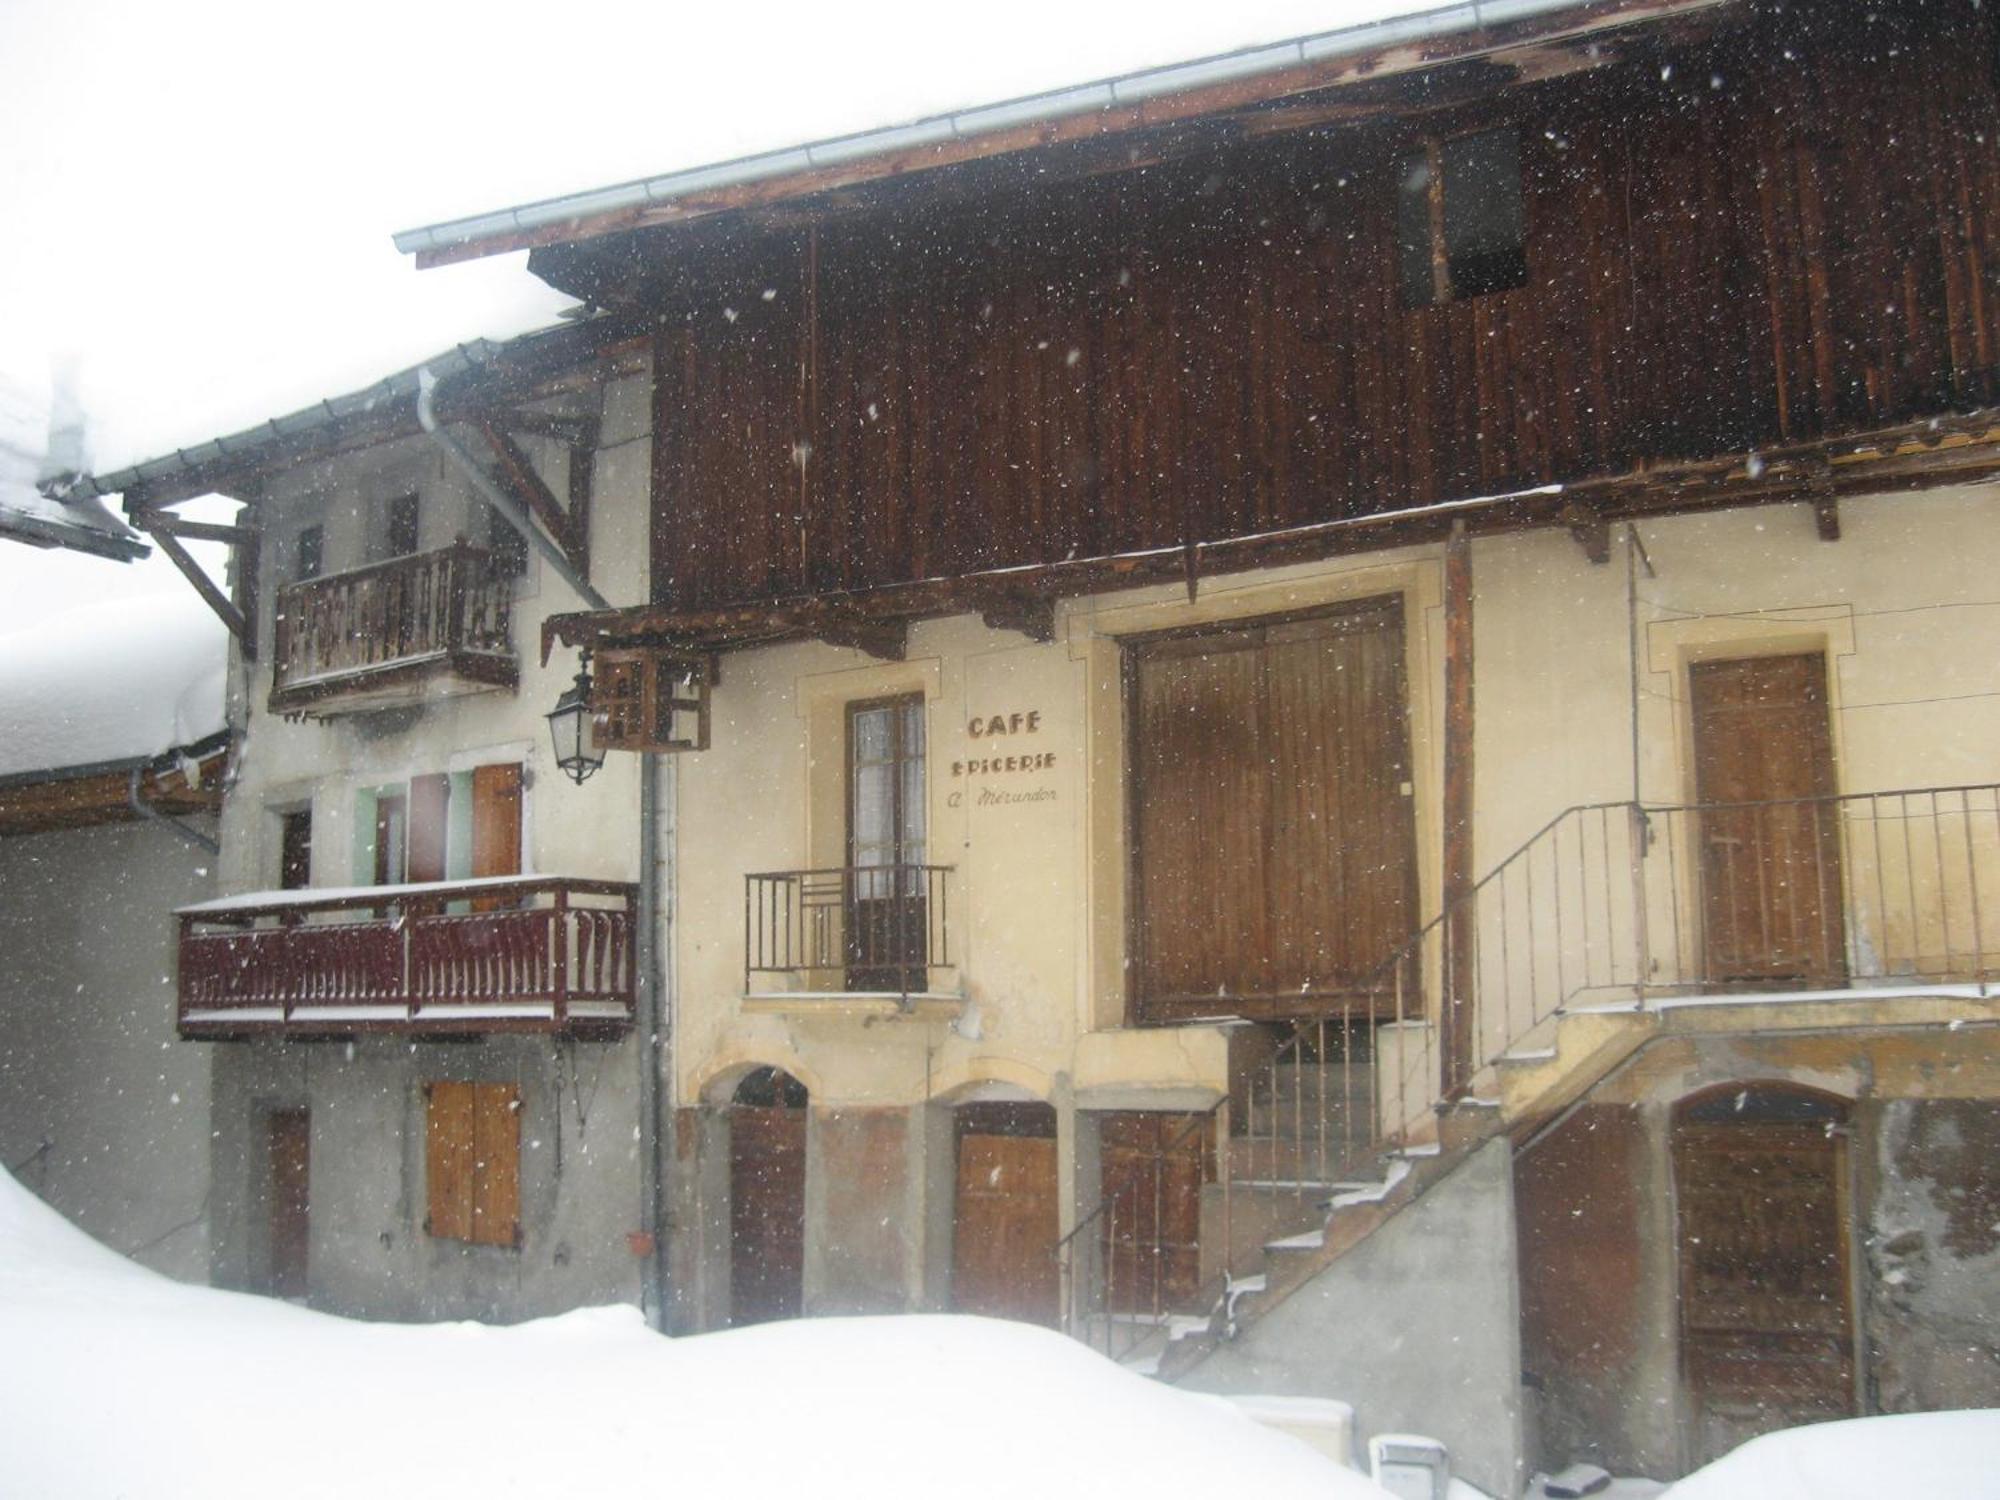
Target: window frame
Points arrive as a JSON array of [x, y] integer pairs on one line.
[[1441, 290]]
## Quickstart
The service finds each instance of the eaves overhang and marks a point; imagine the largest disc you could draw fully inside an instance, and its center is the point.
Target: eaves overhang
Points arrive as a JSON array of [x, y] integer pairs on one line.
[[1149, 97]]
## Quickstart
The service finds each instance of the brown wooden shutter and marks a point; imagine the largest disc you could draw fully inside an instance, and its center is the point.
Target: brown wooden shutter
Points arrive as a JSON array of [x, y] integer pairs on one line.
[[1273, 844], [430, 798], [448, 1160], [496, 1151]]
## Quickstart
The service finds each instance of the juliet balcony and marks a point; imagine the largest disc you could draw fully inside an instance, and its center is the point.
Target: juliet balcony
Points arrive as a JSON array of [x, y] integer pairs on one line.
[[430, 625], [862, 939], [508, 953]]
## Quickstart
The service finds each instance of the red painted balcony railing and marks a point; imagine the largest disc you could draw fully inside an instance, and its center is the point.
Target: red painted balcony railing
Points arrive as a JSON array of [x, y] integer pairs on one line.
[[392, 627], [516, 953]]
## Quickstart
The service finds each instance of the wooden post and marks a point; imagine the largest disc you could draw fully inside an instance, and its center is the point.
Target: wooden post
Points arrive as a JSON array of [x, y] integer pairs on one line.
[[559, 1009], [1458, 1030]]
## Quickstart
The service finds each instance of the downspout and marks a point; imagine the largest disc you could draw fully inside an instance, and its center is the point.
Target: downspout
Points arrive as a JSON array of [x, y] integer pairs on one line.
[[652, 1044], [146, 810], [491, 492]]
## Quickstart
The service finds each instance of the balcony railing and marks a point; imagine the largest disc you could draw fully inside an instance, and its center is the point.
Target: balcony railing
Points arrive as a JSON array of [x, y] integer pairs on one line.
[[391, 632], [857, 930], [513, 953]]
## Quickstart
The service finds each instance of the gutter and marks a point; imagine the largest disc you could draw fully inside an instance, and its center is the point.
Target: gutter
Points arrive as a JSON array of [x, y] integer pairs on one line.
[[937, 130], [489, 489], [146, 810]]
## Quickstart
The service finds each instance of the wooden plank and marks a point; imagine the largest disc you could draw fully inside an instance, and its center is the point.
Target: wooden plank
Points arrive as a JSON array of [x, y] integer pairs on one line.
[[496, 826], [448, 1160], [496, 1165], [225, 610], [525, 483], [1458, 1028]]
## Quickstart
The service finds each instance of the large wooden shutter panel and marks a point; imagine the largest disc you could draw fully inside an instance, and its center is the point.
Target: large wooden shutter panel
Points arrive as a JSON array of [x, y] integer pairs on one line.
[[430, 797], [1273, 840], [448, 1158], [496, 1164], [496, 821]]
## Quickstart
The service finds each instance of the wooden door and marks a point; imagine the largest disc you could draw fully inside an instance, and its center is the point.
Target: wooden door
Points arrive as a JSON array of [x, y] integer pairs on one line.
[[288, 1147], [430, 805], [1006, 1220], [767, 1200], [1155, 1164], [496, 826], [1766, 1332], [1771, 870], [1274, 847]]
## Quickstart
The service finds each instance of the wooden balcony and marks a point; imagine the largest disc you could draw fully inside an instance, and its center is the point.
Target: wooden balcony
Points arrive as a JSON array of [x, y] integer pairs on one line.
[[511, 953], [433, 624]]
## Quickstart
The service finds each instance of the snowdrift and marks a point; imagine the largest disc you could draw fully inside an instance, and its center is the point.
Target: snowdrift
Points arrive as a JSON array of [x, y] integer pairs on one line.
[[118, 1382], [1943, 1455]]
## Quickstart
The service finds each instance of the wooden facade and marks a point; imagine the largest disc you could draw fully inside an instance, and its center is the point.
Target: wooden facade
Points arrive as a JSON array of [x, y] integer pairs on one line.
[[1782, 232]]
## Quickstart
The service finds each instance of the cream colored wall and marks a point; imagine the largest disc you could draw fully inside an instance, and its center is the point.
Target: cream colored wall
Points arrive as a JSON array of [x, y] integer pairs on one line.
[[1902, 605], [568, 830]]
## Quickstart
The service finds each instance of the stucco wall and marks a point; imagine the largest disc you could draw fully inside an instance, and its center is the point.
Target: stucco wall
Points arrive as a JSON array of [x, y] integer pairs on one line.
[[1417, 1328], [102, 1111]]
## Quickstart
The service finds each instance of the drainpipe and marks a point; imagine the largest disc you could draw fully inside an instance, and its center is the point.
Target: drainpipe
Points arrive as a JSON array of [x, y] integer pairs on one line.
[[516, 516], [651, 1021], [146, 810]]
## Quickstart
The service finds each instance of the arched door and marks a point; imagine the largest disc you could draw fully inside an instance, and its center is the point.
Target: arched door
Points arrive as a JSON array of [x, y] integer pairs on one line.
[[767, 1198], [1767, 1338]]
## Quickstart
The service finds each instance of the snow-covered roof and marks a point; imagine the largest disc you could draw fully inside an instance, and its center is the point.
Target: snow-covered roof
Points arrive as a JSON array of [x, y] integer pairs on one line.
[[110, 685], [77, 521]]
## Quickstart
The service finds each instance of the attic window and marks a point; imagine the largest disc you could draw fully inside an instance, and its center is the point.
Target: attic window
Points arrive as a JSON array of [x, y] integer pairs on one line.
[[1460, 224]]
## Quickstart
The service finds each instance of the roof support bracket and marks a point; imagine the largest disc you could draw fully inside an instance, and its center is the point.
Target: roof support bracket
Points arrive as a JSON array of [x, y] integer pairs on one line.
[[886, 640], [518, 472], [1590, 531], [225, 608], [1033, 615]]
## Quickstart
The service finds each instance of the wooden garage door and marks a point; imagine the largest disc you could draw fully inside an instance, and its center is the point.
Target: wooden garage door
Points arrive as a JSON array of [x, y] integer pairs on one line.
[[1005, 1217], [1273, 841]]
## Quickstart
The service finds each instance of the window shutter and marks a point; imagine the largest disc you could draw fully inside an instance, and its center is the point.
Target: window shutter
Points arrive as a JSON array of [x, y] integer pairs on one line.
[[496, 1136], [650, 700], [448, 1160]]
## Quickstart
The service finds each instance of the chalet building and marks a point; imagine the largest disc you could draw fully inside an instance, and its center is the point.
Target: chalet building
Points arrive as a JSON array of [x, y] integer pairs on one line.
[[1329, 717]]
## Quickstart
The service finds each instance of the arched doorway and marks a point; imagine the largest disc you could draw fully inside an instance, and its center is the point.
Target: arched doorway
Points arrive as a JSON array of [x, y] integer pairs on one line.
[[767, 1197], [1767, 1334], [1005, 1215]]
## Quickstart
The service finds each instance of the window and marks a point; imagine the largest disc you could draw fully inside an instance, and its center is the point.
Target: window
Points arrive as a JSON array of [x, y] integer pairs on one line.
[[1459, 218], [400, 529], [650, 700], [472, 1163], [888, 915], [506, 548], [295, 848], [442, 826], [310, 559]]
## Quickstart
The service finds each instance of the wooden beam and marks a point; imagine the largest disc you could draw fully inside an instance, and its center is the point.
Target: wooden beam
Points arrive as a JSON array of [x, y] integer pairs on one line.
[[1826, 518], [1458, 1032], [155, 520], [886, 640], [226, 611], [519, 474], [570, 430], [1590, 531], [1033, 615]]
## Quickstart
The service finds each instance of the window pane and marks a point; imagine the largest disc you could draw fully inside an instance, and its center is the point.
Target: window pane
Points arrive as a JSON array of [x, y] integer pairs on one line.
[[1483, 218], [1413, 230]]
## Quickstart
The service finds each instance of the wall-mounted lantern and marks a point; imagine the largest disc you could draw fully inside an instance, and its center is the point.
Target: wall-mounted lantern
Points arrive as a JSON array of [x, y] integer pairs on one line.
[[578, 753]]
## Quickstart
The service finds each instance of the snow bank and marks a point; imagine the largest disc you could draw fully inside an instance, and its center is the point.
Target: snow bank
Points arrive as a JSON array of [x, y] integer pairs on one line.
[[111, 682], [1945, 1455], [117, 1382]]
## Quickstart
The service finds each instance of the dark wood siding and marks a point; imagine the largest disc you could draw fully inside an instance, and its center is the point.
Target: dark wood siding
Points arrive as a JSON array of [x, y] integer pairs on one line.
[[1771, 236]]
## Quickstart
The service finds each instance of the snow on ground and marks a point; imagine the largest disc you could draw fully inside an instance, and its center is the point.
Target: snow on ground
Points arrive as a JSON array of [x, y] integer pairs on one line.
[[1944, 1455], [117, 1382], [111, 682]]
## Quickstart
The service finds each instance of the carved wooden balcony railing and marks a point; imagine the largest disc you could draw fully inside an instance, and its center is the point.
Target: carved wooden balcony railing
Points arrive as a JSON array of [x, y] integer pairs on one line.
[[512, 953], [430, 624], [858, 930]]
